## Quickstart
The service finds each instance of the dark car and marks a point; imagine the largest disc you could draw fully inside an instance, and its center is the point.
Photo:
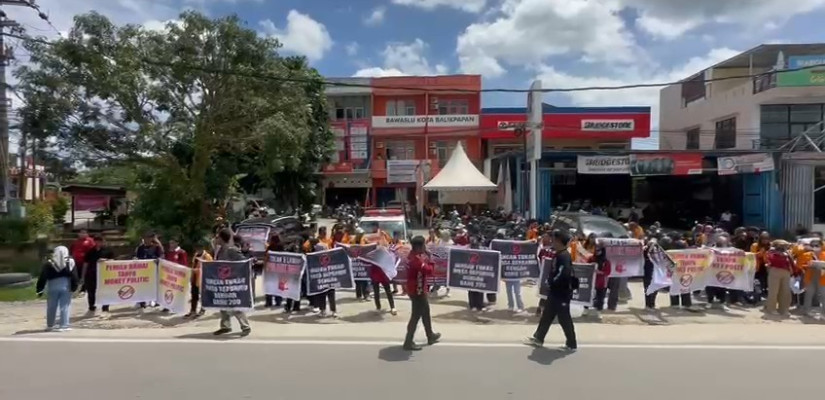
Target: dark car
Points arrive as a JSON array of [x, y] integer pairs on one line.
[[588, 224], [256, 231]]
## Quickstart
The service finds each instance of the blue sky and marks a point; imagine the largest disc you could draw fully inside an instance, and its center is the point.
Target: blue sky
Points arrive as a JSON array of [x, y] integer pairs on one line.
[[565, 43]]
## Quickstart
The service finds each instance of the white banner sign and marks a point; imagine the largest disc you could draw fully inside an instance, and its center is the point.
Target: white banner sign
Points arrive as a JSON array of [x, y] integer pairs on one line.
[[174, 286], [604, 165], [401, 171], [608, 125], [420, 121], [747, 164]]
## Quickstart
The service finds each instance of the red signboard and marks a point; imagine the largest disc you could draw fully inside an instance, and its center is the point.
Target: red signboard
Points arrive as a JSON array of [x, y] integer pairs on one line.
[[651, 164], [595, 125], [90, 202]]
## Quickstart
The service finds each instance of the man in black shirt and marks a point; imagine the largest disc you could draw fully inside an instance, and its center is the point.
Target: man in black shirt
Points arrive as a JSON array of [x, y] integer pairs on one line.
[[562, 283], [98, 253]]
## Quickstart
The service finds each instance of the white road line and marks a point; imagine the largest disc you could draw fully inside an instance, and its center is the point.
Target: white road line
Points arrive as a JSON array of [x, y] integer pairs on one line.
[[281, 342]]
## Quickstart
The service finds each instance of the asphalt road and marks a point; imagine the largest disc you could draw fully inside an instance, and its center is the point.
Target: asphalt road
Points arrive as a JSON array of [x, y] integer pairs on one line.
[[224, 371]]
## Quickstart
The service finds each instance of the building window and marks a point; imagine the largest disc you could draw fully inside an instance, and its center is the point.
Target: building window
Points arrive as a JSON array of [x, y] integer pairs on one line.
[[453, 107], [359, 112], [400, 150], [400, 107], [391, 108], [692, 142], [409, 108], [339, 114], [726, 134], [444, 149]]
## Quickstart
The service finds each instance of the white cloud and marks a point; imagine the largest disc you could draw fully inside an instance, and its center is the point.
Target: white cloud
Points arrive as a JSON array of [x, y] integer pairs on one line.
[[302, 35], [376, 17], [473, 6], [404, 59], [553, 78], [529, 31], [352, 49], [669, 19]]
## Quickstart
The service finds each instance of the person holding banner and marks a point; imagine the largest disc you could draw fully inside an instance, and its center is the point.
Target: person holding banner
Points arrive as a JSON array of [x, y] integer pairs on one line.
[[419, 267], [227, 251], [198, 256], [379, 280], [562, 283], [99, 253], [273, 244]]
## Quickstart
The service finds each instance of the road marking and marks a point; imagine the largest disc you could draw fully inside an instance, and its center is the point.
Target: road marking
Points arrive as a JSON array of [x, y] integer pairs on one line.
[[319, 342]]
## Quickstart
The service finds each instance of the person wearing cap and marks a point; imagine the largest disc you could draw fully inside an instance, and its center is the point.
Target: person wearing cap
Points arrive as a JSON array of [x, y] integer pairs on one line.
[[562, 283], [419, 268], [780, 269]]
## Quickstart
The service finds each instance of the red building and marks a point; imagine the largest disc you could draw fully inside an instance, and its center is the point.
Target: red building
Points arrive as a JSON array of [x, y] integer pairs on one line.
[[416, 123]]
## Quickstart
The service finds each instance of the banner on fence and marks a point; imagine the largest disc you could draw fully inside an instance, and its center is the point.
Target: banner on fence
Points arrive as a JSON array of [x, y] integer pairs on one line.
[[690, 271], [282, 274], [586, 292], [438, 256], [360, 270], [384, 259], [328, 269], [226, 285], [127, 281], [625, 256], [731, 269], [174, 286], [474, 269], [519, 258]]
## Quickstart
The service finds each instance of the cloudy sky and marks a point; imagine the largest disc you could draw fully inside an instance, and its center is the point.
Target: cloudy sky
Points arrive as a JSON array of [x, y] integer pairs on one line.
[[565, 43]]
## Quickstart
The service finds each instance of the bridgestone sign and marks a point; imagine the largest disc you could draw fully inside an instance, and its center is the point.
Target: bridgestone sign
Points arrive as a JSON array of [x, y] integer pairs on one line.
[[613, 125], [604, 165]]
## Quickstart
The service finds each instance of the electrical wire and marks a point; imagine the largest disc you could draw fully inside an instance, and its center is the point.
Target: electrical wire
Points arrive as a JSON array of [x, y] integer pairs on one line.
[[220, 71]]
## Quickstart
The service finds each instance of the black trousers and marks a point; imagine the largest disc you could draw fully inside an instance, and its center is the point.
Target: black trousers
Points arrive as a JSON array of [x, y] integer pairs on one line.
[[475, 300], [293, 305], [420, 311], [715, 293], [91, 294], [650, 299], [271, 300], [362, 289], [556, 308], [196, 296], [684, 300], [322, 301], [491, 298], [614, 285], [598, 301], [376, 293]]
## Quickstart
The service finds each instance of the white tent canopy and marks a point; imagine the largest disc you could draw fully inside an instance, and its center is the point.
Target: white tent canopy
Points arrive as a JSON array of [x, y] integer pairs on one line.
[[459, 175]]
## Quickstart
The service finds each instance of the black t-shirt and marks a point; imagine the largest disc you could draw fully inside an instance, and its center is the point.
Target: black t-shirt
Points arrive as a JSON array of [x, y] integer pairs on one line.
[[92, 257], [561, 278]]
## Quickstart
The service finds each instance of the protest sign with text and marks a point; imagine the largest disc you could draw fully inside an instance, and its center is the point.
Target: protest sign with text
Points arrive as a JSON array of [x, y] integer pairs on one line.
[[438, 256], [584, 295], [327, 270], [625, 256], [282, 274], [474, 269], [384, 259], [731, 269], [226, 285], [127, 281], [519, 258], [360, 270], [174, 286], [547, 264], [690, 271]]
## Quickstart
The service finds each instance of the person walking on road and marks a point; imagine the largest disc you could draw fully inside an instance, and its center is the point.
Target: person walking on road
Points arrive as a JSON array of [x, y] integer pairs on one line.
[[229, 252], [59, 277], [419, 267], [562, 283]]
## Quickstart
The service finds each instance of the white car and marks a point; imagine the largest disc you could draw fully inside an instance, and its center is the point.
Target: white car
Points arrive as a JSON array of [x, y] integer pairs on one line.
[[391, 221]]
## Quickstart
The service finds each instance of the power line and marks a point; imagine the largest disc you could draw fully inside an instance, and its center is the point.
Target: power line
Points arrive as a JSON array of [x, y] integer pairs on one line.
[[220, 71]]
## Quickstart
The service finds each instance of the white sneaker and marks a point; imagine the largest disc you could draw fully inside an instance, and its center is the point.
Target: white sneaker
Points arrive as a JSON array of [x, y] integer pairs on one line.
[[316, 310], [393, 311], [66, 329], [518, 311]]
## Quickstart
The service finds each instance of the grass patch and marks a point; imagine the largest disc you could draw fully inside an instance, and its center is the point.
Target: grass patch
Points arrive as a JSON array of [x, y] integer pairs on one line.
[[17, 294]]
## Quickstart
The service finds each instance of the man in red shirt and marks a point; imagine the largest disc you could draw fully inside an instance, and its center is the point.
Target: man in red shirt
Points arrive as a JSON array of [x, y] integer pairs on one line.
[[176, 254], [79, 248], [419, 267]]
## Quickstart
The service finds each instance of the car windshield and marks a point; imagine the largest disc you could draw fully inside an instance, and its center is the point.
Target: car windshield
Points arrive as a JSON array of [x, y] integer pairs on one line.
[[393, 228], [601, 226]]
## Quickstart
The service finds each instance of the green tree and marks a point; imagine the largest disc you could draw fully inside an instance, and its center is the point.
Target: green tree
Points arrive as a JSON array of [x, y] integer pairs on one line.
[[191, 107]]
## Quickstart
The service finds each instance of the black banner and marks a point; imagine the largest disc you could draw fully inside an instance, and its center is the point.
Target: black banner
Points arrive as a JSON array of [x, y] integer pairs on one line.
[[226, 285], [473, 269], [360, 269], [519, 258], [587, 284], [328, 269]]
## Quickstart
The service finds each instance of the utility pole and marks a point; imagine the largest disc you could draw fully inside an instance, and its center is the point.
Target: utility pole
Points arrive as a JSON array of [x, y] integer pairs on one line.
[[6, 55]]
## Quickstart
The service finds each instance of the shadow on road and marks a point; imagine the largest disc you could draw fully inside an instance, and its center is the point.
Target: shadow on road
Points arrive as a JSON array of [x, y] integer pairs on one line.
[[30, 332], [545, 356], [394, 354]]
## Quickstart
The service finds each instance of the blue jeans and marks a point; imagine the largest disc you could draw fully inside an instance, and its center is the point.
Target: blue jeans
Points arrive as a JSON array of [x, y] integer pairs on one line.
[[59, 296], [514, 295]]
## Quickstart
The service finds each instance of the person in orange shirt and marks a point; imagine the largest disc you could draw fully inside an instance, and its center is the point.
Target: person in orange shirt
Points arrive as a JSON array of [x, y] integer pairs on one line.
[[636, 231], [324, 238], [533, 231], [359, 237], [807, 254]]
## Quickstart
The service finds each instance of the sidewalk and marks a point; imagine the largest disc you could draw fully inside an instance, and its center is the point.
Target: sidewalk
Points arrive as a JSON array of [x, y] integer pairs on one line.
[[358, 319]]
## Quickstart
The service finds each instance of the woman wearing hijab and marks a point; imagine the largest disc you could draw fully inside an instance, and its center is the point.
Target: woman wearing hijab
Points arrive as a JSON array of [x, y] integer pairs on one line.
[[59, 277]]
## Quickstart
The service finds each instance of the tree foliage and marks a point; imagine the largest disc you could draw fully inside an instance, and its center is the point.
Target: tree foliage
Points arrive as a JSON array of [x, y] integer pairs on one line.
[[189, 107]]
